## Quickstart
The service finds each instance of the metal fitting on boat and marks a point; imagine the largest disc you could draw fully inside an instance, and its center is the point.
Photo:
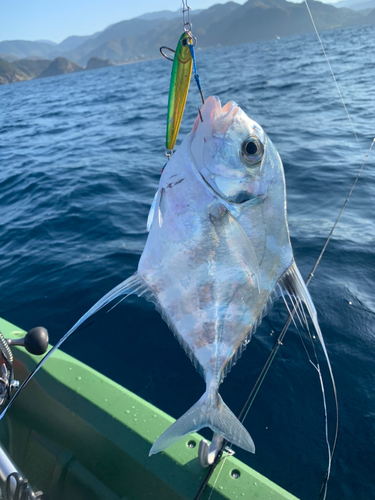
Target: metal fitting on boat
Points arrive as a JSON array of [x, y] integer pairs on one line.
[[207, 453]]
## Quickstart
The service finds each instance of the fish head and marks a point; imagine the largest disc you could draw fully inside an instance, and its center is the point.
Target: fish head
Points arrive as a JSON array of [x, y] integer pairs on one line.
[[233, 154]]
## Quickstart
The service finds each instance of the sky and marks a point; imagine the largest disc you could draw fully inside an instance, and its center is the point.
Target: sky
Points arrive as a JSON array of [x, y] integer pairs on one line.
[[57, 19]]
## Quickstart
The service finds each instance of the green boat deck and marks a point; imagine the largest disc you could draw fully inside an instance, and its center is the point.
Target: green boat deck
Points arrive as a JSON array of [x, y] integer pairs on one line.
[[78, 435]]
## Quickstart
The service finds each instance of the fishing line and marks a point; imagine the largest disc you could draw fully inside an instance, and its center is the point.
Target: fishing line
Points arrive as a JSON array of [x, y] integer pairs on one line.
[[341, 211], [333, 75], [317, 368], [217, 477], [323, 490], [196, 76]]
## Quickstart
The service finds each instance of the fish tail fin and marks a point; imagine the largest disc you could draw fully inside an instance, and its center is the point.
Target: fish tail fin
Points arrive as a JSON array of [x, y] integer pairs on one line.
[[210, 411]]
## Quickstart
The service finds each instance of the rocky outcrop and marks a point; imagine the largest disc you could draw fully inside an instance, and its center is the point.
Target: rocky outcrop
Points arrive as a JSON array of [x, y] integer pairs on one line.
[[60, 66], [10, 74], [96, 63], [32, 67]]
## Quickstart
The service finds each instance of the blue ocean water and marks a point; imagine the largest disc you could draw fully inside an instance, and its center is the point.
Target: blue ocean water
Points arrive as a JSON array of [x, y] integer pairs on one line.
[[81, 156]]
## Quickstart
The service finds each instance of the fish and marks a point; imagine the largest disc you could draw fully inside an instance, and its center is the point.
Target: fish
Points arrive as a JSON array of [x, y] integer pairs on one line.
[[217, 256]]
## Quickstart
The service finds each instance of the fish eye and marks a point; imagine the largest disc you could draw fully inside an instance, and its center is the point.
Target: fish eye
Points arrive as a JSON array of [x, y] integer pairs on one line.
[[252, 150], [184, 42]]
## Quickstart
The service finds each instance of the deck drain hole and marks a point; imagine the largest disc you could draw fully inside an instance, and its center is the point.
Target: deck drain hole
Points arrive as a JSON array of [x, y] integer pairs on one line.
[[235, 473]]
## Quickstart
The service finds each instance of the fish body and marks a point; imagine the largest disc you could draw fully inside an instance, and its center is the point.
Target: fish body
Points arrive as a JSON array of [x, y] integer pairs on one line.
[[217, 255], [212, 263], [179, 87]]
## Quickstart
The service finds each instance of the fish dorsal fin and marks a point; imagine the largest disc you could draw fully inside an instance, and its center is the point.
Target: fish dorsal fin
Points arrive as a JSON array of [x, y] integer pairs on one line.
[[290, 284], [296, 288]]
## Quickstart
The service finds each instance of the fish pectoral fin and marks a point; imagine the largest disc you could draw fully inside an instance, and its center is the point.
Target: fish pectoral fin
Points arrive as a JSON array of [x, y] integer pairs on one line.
[[231, 234], [206, 413], [151, 212]]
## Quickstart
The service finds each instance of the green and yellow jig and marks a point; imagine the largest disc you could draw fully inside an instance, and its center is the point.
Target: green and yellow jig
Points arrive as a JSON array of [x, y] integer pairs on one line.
[[179, 87], [183, 64]]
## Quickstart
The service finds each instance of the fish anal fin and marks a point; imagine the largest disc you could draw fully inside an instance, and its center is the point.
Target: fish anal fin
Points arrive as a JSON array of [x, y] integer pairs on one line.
[[133, 285], [185, 346]]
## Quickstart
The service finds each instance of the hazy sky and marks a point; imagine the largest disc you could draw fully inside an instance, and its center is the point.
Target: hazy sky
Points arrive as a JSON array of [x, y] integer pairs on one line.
[[57, 19]]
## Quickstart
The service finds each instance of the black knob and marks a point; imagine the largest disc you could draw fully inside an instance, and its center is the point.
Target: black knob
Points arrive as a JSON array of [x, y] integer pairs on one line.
[[36, 340]]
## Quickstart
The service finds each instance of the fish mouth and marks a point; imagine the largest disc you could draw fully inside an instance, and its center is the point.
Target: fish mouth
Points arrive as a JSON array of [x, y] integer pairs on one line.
[[214, 120], [237, 199], [216, 116]]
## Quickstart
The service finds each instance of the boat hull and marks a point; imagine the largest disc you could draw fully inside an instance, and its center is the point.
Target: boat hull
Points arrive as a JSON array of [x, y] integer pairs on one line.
[[74, 433]]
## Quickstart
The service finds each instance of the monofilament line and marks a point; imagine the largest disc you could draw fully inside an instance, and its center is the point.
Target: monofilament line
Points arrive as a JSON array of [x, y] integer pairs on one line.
[[333, 75], [341, 211]]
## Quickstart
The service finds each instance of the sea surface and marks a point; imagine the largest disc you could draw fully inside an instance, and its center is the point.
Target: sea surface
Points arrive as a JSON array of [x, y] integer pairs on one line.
[[80, 159]]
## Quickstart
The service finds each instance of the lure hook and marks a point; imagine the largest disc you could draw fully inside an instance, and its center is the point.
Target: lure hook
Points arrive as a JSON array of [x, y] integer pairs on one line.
[[171, 50], [165, 55]]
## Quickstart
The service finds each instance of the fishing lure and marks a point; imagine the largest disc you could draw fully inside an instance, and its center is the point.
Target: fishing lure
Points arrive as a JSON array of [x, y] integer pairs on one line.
[[179, 87]]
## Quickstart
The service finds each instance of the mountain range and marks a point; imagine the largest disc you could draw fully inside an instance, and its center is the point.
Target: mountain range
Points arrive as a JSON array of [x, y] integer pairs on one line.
[[356, 4], [27, 69], [221, 24]]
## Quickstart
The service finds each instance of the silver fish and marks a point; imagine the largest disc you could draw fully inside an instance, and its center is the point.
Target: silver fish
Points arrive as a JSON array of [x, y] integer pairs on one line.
[[217, 256]]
